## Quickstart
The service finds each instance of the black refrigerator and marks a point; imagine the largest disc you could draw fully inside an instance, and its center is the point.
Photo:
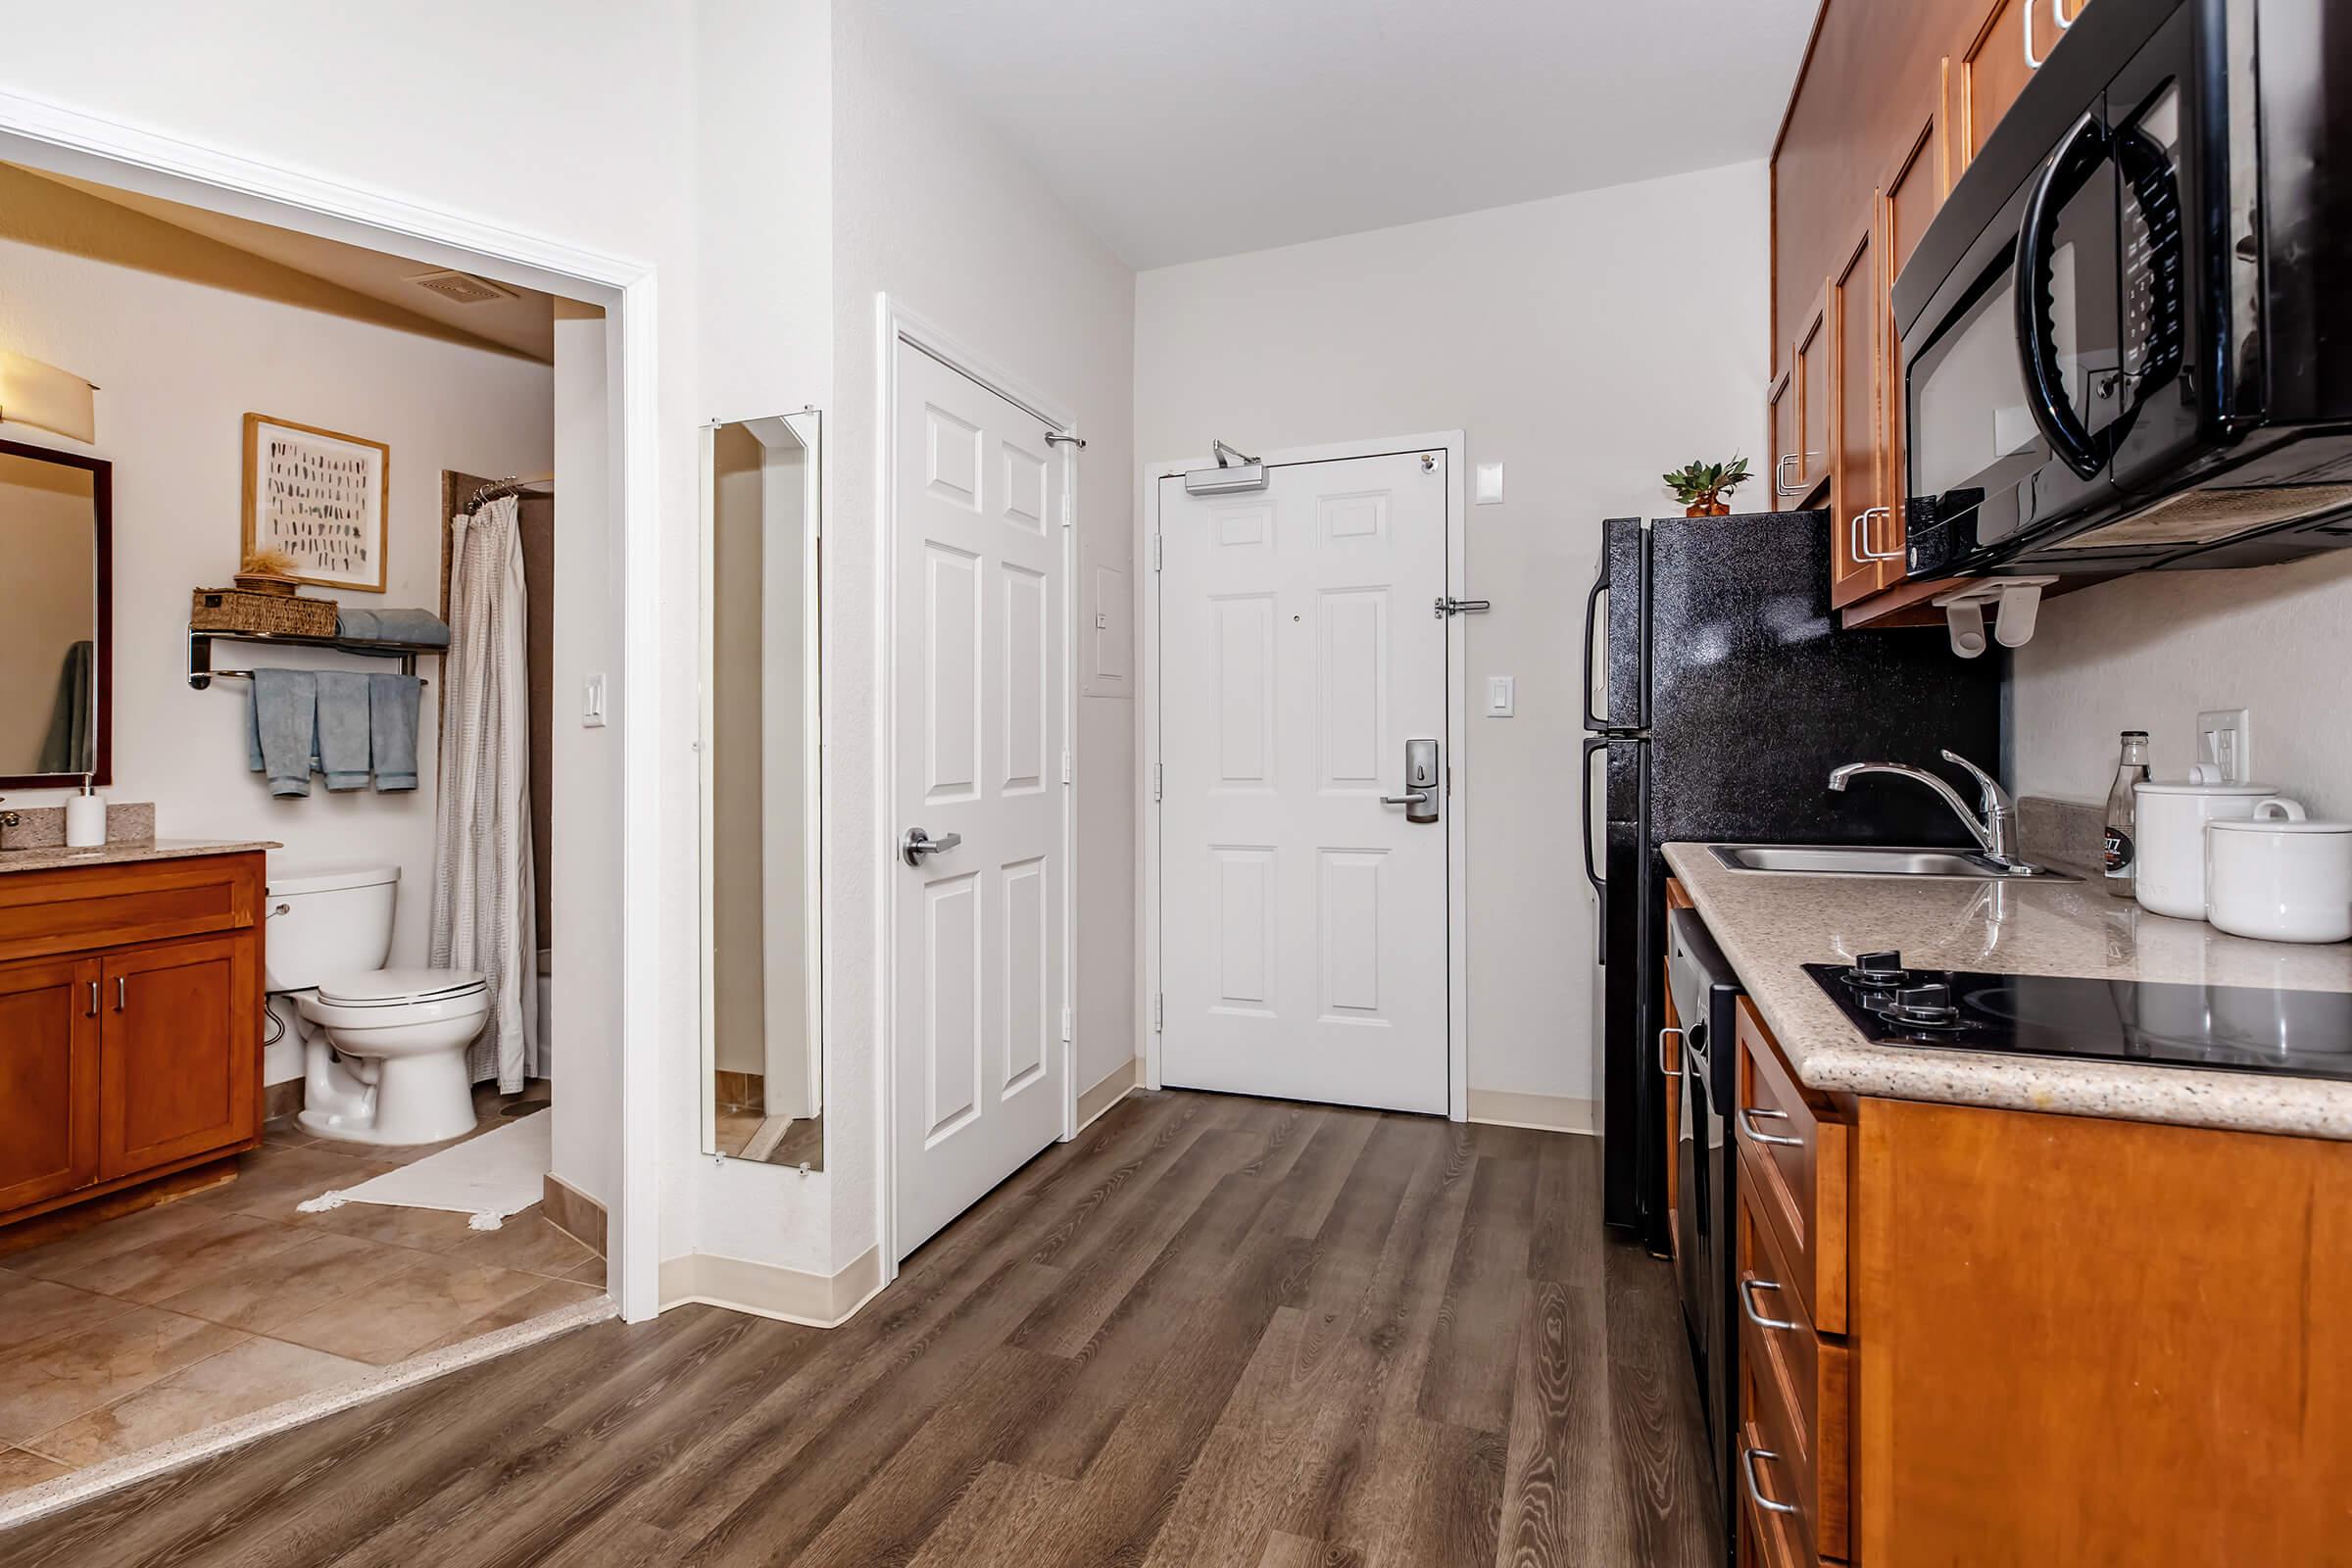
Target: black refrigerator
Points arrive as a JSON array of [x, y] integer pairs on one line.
[[1719, 692]]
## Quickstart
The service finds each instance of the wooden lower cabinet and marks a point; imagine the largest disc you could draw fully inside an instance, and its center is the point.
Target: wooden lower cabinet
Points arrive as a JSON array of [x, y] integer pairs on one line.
[[123, 1062], [2067, 1341], [48, 1079]]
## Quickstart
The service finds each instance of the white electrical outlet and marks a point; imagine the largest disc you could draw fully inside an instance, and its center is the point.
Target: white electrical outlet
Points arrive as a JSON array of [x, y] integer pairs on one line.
[[2225, 739]]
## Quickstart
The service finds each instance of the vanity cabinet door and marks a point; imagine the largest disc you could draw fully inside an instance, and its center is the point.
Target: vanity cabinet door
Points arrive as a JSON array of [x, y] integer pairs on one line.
[[48, 1079], [181, 1062]]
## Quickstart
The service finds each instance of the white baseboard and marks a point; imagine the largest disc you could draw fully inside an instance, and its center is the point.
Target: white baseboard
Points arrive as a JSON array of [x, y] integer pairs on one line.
[[1114, 1087], [766, 1290], [1547, 1113]]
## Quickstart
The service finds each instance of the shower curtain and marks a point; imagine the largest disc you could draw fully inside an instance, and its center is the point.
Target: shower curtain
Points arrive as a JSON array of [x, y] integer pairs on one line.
[[483, 907]]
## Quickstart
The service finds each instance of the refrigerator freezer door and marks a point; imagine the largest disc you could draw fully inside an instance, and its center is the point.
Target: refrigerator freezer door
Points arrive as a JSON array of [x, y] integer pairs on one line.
[[1631, 1145], [1616, 690]]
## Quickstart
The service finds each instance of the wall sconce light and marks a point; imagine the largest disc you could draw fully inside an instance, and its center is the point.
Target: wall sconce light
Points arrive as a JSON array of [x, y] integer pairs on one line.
[[43, 395]]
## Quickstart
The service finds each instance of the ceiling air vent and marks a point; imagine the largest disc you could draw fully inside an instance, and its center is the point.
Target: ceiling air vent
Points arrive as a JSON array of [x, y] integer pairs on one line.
[[463, 288]]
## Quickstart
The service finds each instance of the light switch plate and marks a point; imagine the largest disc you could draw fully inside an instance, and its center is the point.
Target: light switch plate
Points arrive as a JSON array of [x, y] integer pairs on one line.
[[2226, 739], [1490, 484], [1501, 695], [592, 701]]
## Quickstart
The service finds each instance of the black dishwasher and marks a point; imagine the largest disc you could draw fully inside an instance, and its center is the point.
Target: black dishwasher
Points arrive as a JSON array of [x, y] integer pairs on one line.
[[1705, 994]]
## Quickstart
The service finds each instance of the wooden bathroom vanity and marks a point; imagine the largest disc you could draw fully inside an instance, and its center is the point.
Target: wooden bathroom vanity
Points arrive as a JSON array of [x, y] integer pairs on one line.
[[130, 1018]]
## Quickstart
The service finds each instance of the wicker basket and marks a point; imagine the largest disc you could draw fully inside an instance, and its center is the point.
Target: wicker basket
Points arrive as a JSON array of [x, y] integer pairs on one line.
[[269, 614]]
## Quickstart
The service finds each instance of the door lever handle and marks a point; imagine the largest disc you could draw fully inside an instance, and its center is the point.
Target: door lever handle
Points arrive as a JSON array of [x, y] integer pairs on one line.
[[918, 844], [1409, 797]]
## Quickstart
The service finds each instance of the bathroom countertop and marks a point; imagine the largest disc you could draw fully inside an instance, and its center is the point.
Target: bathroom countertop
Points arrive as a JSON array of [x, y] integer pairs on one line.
[[1769, 923], [124, 852]]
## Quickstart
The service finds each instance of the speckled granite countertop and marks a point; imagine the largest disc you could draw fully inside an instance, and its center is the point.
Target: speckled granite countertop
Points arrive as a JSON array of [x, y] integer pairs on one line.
[[52, 857], [1768, 923]]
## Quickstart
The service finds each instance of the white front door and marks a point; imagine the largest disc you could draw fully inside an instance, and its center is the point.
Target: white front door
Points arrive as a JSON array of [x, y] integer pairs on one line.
[[976, 683], [1302, 918]]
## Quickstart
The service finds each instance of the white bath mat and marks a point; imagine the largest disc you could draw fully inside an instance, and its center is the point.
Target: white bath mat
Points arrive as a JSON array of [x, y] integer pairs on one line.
[[500, 1173]]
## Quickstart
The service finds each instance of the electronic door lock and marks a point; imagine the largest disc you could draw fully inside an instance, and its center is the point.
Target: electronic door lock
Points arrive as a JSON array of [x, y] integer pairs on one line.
[[1420, 797]]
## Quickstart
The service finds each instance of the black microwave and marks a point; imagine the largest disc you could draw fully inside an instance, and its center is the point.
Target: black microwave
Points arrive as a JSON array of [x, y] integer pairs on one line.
[[2126, 337]]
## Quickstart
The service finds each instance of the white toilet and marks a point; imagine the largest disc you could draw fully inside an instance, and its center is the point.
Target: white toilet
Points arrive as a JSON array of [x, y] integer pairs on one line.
[[383, 1049]]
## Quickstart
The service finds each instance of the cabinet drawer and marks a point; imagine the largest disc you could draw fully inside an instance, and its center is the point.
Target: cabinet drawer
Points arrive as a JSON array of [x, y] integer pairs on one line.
[[1796, 1144], [1802, 1387], [76, 909], [1767, 1540]]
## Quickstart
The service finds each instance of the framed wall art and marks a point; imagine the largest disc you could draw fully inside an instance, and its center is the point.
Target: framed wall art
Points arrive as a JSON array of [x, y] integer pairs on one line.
[[322, 496]]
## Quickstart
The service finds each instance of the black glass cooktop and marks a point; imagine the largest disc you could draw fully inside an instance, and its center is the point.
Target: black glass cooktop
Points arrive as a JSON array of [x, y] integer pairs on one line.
[[2305, 1034]]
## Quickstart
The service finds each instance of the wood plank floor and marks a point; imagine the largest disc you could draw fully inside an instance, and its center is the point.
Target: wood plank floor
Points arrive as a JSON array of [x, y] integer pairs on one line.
[[1211, 1331]]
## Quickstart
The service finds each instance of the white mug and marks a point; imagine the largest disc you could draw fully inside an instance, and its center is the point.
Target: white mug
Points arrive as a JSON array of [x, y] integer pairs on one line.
[[2280, 876], [2167, 864]]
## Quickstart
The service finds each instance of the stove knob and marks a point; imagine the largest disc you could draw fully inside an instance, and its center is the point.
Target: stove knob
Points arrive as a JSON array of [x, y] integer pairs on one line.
[[1887, 962], [1925, 998]]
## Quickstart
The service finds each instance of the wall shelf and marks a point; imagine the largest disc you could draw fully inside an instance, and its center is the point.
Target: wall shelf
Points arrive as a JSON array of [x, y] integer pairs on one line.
[[202, 674]]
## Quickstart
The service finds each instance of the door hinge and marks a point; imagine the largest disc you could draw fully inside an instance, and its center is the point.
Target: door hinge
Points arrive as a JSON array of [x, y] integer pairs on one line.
[[1160, 778], [1068, 768], [1156, 538], [1067, 1028], [1160, 1013]]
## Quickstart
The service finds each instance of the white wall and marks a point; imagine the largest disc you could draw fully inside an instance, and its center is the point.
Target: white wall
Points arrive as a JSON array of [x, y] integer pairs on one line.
[[929, 207], [588, 141], [2151, 652], [183, 355], [1588, 343]]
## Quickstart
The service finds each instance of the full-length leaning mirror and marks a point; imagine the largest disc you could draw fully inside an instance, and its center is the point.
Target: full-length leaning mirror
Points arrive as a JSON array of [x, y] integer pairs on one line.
[[55, 554], [762, 805]]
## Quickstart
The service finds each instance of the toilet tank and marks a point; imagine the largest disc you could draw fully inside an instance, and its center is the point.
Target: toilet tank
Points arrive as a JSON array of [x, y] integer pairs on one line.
[[325, 922]]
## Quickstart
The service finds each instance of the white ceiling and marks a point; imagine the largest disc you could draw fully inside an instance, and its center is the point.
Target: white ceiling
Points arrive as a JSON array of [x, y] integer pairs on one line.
[[1187, 128]]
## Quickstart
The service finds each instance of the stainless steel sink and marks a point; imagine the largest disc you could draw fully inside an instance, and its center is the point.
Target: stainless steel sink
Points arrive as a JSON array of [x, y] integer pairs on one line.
[[1864, 861]]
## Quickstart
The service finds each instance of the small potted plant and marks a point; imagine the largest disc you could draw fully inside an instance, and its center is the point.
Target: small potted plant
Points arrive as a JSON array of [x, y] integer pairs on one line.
[[1701, 486]]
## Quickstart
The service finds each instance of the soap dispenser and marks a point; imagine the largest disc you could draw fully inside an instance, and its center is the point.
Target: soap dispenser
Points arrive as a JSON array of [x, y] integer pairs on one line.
[[85, 816]]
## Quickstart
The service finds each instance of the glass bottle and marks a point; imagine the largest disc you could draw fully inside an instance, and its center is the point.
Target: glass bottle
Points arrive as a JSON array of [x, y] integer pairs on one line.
[[2122, 814]]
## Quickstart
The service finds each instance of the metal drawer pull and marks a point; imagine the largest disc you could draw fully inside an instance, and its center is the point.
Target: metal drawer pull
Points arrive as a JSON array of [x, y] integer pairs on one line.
[[93, 1012], [1780, 484], [1748, 1125], [2059, 16], [1755, 1488], [1671, 1073], [1748, 1286], [1861, 539], [122, 991], [2025, 16]]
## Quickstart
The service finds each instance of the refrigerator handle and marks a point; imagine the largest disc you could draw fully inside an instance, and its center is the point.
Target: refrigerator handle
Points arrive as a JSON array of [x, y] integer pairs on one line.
[[1600, 585], [1600, 886]]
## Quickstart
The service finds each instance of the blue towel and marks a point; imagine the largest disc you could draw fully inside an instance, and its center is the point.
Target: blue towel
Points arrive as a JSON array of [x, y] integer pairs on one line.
[[392, 701], [392, 626], [284, 729], [343, 727]]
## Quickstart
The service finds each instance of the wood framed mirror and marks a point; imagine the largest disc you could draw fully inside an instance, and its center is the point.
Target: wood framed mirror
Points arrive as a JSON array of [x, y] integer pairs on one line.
[[56, 641]]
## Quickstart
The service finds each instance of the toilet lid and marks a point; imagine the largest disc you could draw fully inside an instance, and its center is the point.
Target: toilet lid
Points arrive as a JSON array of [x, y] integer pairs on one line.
[[392, 988]]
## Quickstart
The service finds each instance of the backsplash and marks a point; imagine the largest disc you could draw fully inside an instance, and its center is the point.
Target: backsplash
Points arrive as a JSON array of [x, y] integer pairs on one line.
[[43, 827]]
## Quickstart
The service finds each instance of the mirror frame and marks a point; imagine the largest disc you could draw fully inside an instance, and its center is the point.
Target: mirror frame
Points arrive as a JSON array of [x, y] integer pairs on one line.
[[809, 425], [102, 545]]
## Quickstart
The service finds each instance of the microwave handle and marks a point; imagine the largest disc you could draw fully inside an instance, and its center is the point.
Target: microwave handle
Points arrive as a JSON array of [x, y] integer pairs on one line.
[[2078, 154]]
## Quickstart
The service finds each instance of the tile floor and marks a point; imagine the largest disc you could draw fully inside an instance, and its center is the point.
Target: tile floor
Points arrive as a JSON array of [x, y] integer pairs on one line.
[[146, 1328]]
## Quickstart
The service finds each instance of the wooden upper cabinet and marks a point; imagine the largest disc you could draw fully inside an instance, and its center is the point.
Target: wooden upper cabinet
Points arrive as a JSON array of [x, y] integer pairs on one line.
[[1996, 61], [1809, 357], [48, 1079], [1857, 461], [1913, 191], [1779, 423]]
